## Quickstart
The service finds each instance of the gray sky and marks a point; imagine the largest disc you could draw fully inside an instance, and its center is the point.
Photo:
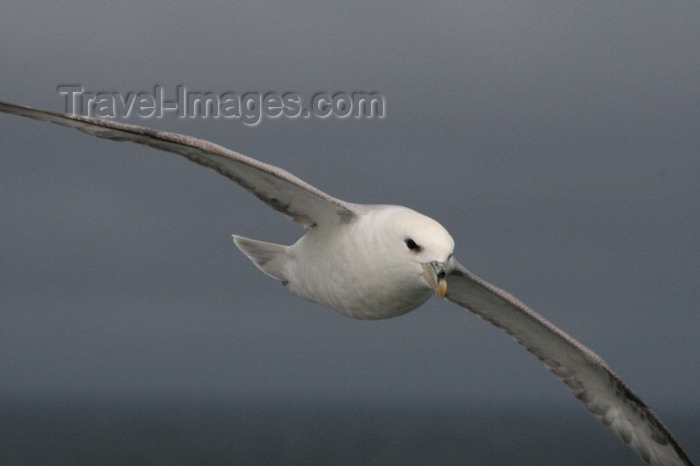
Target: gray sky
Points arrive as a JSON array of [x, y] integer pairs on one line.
[[558, 142]]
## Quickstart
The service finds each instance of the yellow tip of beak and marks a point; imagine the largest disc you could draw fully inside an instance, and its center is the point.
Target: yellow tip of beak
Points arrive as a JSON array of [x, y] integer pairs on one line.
[[442, 288]]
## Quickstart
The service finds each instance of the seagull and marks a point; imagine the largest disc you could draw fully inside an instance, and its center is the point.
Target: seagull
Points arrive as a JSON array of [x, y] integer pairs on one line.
[[382, 261]]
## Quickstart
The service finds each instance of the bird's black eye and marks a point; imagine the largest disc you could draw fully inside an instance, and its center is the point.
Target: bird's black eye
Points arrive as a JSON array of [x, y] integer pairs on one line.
[[412, 245]]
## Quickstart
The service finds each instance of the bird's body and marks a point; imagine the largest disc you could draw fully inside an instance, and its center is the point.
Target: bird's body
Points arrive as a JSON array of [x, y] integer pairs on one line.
[[375, 262], [360, 267]]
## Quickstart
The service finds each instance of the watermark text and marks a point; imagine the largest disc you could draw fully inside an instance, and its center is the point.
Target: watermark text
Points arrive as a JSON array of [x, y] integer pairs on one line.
[[250, 107]]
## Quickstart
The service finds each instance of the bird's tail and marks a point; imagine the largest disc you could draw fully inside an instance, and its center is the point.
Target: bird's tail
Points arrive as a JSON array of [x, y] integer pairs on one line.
[[268, 257]]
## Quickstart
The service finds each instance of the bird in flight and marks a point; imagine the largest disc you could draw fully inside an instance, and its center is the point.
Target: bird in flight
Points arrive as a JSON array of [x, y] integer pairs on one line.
[[381, 261]]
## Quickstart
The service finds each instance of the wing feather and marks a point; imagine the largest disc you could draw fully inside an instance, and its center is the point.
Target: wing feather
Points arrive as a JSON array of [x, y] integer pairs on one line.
[[277, 188], [587, 376]]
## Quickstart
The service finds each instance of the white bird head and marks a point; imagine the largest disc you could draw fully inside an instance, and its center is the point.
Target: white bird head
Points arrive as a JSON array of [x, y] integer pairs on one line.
[[422, 242]]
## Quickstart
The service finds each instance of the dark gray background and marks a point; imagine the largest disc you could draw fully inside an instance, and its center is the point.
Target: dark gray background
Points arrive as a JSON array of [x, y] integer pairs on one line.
[[558, 142]]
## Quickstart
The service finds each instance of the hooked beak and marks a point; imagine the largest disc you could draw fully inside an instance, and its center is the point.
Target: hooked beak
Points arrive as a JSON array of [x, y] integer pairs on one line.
[[434, 274]]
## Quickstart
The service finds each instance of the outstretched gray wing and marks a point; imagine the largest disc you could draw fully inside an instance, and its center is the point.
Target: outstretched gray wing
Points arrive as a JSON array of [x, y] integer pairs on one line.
[[588, 377], [278, 188]]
